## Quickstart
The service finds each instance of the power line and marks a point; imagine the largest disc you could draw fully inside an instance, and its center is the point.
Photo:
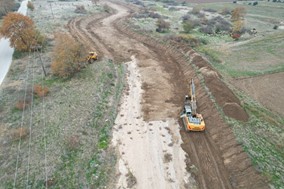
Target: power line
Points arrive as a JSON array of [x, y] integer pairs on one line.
[[22, 121], [44, 126], [30, 125]]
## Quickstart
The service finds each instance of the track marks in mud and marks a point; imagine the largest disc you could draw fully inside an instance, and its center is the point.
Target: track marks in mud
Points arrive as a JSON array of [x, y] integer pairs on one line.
[[218, 151], [230, 174]]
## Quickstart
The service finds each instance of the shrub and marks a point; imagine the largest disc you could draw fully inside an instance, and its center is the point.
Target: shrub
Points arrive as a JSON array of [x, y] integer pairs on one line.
[[225, 11], [73, 142], [210, 10], [200, 15], [30, 6], [80, 9], [69, 56], [185, 17], [207, 29], [137, 2], [255, 3], [22, 104], [107, 8], [236, 36], [221, 24], [154, 15], [238, 13], [275, 27], [195, 10], [187, 26], [238, 27], [19, 133], [162, 25], [40, 91], [173, 9]]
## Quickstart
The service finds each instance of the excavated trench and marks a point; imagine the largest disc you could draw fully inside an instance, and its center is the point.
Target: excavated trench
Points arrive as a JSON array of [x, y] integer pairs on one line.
[[214, 156]]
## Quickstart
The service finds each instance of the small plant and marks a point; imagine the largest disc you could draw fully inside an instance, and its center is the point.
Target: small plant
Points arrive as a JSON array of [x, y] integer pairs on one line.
[[73, 142], [187, 26], [80, 9], [210, 10], [225, 11], [236, 36], [40, 91], [16, 134], [107, 9], [154, 15], [209, 29], [162, 25], [30, 5], [22, 105], [195, 10]]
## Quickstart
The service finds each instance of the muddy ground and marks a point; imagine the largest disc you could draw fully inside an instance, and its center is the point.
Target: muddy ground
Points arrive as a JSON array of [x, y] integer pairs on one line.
[[215, 157]]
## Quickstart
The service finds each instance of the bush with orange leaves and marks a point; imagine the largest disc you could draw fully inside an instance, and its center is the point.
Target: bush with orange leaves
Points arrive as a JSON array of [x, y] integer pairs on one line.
[[40, 90], [21, 31], [22, 104], [69, 56]]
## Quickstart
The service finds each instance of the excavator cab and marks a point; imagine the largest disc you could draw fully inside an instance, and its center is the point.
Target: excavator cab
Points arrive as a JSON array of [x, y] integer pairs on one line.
[[92, 57]]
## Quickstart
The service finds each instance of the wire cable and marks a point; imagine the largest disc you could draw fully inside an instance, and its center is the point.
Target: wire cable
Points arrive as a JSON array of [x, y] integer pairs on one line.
[[30, 125], [21, 126]]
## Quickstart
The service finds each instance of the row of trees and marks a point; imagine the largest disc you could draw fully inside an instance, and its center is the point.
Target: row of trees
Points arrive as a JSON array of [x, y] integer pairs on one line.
[[69, 56]]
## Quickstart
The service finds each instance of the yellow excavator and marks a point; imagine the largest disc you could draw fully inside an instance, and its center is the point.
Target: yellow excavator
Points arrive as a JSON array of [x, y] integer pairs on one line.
[[92, 57], [191, 119]]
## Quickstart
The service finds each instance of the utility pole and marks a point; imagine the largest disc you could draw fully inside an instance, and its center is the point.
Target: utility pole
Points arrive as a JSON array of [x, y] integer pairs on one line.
[[51, 10]]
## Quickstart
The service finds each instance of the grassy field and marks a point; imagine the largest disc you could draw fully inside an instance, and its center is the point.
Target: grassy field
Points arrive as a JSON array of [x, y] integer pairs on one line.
[[262, 136], [69, 136]]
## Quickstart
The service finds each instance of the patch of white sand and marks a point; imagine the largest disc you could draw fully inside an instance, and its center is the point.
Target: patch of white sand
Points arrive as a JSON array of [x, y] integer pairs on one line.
[[150, 151]]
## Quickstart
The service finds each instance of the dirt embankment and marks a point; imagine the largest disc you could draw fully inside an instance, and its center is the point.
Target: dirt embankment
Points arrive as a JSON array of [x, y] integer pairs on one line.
[[215, 157]]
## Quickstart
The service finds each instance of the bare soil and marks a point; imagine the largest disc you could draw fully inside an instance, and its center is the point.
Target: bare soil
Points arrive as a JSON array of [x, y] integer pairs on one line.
[[214, 156], [267, 89]]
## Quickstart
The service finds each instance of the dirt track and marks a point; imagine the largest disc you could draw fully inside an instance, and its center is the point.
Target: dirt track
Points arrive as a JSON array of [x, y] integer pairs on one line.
[[215, 158]]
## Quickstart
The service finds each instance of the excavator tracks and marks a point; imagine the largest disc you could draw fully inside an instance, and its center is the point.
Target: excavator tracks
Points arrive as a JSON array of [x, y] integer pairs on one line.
[[219, 160]]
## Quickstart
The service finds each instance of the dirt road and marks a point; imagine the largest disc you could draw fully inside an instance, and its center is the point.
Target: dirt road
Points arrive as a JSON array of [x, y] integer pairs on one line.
[[146, 132]]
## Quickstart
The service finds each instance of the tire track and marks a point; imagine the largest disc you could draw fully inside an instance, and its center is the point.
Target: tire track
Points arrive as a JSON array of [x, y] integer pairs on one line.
[[213, 152]]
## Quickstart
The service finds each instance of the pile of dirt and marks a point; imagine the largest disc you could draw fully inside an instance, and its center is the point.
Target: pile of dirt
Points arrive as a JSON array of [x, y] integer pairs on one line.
[[223, 95], [235, 111]]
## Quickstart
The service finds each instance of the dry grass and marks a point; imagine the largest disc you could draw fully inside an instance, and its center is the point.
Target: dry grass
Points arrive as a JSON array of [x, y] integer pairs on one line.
[[16, 134], [40, 91], [22, 105]]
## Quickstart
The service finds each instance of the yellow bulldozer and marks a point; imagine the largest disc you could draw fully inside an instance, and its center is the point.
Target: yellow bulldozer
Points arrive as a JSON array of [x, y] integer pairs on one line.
[[192, 121], [92, 57]]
